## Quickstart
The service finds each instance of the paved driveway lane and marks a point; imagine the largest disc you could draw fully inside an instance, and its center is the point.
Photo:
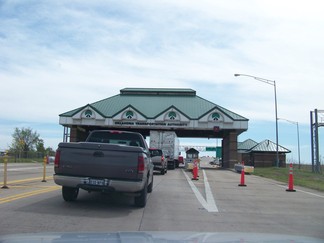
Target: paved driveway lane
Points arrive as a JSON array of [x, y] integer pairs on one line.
[[264, 207], [94, 212], [174, 207]]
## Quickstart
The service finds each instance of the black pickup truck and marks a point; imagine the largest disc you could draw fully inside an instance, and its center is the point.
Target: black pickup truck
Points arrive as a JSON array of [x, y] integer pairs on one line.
[[108, 161]]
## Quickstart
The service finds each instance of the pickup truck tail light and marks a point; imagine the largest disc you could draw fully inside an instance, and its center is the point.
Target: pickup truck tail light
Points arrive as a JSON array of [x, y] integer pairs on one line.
[[140, 164], [57, 159]]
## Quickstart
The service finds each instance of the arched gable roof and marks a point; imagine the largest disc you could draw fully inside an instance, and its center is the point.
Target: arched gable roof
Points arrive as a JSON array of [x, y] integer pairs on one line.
[[152, 102]]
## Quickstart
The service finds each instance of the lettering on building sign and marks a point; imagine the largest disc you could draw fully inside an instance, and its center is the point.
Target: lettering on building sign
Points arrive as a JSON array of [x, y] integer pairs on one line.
[[151, 124], [124, 123]]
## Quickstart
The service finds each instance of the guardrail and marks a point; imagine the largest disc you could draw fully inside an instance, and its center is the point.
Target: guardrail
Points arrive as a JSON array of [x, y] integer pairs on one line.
[[5, 160], [23, 156]]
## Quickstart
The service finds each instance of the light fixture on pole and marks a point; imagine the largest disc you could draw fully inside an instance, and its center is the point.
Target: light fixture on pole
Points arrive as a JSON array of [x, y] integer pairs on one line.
[[273, 83], [296, 123]]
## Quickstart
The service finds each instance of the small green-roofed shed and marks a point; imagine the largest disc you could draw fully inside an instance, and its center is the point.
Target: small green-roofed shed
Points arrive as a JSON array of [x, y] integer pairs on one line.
[[262, 154], [246, 145], [192, 153]]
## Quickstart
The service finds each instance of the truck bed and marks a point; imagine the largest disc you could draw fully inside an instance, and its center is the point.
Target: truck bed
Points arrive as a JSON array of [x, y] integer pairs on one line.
[[99, 160]]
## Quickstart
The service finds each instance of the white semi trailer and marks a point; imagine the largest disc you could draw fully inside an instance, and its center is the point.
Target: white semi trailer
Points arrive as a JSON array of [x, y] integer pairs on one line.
[[168, 142]]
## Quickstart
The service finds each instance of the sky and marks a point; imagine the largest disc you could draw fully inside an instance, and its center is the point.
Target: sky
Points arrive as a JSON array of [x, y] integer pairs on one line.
[[56, 56]]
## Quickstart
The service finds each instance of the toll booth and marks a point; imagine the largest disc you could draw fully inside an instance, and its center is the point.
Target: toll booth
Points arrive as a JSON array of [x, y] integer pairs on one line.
[[178, 110], [191, 155]]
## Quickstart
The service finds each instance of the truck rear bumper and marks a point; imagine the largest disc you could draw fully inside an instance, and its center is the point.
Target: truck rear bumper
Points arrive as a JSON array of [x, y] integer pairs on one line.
[[113, 185]]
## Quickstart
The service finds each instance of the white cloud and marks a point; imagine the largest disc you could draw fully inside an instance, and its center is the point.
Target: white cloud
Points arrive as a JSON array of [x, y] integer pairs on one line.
[[57, 56]]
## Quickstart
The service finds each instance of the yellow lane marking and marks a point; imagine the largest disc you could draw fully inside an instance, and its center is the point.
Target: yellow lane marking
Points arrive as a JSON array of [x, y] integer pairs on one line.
[[27, 186], [28, 194], [28, 180]]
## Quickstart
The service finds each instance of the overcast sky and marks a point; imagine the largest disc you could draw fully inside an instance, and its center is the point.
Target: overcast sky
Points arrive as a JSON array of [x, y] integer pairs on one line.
[[59, 55]]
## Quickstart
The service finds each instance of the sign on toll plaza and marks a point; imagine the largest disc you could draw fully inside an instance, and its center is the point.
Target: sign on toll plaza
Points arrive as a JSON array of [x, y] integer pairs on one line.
[[211, 148], [218, 150]]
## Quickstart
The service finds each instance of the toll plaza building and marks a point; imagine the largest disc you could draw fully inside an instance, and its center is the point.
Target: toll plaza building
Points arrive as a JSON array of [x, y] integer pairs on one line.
[[144, 109]]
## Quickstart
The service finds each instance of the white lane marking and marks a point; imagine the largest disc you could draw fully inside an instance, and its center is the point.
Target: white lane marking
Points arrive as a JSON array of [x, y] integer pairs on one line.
[[286, 186], [209, 195], [195, 190], [298, 190], [23, 168], [209, 204]]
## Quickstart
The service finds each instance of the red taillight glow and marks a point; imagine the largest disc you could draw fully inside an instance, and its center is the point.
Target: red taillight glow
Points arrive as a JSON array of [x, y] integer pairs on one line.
[[162, 158], [115, 132], [57, 159], [140, 164]]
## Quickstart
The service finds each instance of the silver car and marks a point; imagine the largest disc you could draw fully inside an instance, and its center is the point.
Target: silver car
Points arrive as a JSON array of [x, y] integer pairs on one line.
[[159, 162]]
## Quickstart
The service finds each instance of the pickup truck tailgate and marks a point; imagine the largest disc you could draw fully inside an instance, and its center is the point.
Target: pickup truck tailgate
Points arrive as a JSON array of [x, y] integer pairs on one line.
[[99, 160]]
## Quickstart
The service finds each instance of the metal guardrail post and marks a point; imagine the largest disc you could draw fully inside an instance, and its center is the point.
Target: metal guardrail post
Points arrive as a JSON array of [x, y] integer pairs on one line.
[[5, 162], [44, 168]]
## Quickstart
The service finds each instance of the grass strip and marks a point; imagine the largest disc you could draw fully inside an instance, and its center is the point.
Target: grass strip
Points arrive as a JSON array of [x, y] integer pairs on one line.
[[302, 177]]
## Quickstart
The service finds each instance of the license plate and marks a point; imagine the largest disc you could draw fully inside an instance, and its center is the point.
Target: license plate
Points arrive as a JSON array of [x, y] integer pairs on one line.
[[96, 182]]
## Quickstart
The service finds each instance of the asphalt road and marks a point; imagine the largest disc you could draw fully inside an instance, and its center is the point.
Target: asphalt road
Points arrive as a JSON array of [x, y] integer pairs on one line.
[[214, 203]]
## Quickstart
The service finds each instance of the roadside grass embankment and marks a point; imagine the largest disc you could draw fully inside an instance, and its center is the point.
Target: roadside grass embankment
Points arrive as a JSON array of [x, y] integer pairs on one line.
[[302, 177]]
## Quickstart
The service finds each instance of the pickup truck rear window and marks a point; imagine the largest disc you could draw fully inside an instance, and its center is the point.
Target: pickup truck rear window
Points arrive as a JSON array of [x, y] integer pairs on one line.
[[121, 138], [155, 152]]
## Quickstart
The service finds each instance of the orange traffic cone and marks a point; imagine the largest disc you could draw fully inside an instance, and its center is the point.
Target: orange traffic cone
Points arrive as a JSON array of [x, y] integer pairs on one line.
[[195, 171], [291, 179], [242, 176]]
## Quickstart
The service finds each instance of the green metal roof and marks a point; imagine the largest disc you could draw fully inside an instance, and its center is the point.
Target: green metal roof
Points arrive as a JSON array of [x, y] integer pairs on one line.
[[250, 145], [268, 146], [152, 102], [246, 145]]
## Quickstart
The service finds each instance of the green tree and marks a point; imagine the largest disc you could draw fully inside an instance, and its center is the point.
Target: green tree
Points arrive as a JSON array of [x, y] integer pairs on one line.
[[50, 151], [24, 140], [40, 146]]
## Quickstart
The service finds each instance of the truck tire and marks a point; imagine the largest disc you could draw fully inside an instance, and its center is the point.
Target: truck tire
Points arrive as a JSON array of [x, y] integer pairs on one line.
[[69, 193], [140, 201], [172, 165], [150, 186], [163, 171], [177, 164]]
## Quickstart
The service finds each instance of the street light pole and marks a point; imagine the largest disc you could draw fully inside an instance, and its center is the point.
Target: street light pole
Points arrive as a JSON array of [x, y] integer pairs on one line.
[[296, 123], [273, 83]]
